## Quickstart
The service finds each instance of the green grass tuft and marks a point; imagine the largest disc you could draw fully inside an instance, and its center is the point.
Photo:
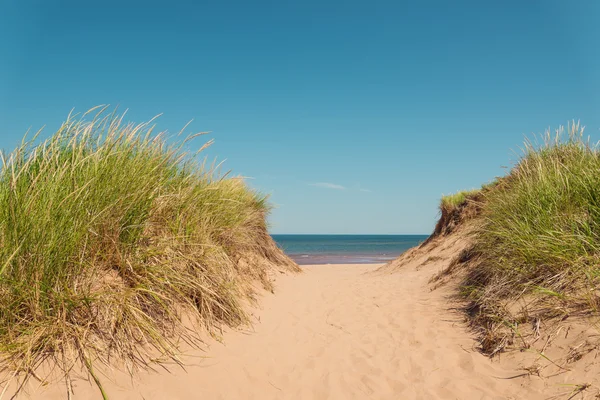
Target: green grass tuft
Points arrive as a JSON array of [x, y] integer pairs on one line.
[[452, 201], [110, 236]]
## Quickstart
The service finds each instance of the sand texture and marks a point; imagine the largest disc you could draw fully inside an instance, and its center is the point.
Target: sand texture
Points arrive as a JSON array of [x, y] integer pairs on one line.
[[347, 332]]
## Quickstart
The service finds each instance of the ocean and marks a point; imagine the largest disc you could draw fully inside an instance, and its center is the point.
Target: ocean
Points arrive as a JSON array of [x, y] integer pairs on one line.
[[346, 249]]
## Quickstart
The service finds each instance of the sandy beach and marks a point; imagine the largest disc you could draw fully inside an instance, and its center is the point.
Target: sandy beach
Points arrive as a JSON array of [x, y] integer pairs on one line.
[[299, 200], [334, 332]]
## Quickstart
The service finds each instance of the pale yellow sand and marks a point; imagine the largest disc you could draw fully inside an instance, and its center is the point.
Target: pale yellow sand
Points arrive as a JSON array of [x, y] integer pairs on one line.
[[334, 332]]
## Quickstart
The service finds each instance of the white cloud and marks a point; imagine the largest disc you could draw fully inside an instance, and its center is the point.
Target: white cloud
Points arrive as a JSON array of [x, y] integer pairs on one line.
[[327, 185], [366, 190]]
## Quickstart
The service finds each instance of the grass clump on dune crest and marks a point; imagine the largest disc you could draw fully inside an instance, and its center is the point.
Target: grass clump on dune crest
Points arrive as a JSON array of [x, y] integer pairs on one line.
[[454, 200], [109, 236], [454, 210], [539, 233]]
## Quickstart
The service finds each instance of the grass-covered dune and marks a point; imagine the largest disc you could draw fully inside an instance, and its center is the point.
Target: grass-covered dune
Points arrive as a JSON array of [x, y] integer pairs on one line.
[[535, 238], [111, 237]]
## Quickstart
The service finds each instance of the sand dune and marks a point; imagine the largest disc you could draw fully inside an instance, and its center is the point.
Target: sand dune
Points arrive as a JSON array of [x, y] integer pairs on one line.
[[334, 332]]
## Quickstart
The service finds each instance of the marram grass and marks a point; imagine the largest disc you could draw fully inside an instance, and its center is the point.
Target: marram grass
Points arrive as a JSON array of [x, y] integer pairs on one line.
[[452, 201], [538, 236], [110, 237]]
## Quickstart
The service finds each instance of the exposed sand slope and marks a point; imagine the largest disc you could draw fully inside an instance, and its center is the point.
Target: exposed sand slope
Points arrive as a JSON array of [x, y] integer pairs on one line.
[[336, 332]]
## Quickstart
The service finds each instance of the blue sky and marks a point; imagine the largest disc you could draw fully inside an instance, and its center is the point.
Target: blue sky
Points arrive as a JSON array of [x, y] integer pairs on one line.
[[355, 116]]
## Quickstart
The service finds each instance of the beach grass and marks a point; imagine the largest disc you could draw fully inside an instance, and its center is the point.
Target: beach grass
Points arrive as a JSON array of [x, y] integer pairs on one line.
[[455, 209], [538, 235], [454, 200], [111, 237]]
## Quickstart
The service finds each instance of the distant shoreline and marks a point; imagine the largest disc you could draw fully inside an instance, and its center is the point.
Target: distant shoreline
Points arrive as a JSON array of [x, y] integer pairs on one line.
[[346, 249], [359, 258]]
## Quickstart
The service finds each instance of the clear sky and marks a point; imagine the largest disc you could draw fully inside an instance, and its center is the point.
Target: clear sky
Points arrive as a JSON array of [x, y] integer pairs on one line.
[[354, 115]]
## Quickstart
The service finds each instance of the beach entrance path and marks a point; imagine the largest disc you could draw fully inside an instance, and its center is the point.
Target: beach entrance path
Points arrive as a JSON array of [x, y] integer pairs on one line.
[[336, 332], [342, 332]]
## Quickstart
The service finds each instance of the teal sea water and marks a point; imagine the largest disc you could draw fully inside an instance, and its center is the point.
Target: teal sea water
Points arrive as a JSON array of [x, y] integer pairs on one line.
[[346, 249]]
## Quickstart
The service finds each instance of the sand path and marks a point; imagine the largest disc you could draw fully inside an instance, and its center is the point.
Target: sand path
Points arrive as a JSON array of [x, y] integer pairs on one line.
[[335, 332], [338, 332]]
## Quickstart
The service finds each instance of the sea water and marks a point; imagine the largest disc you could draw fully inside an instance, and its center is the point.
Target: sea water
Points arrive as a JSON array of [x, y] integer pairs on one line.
[[346, 249]]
